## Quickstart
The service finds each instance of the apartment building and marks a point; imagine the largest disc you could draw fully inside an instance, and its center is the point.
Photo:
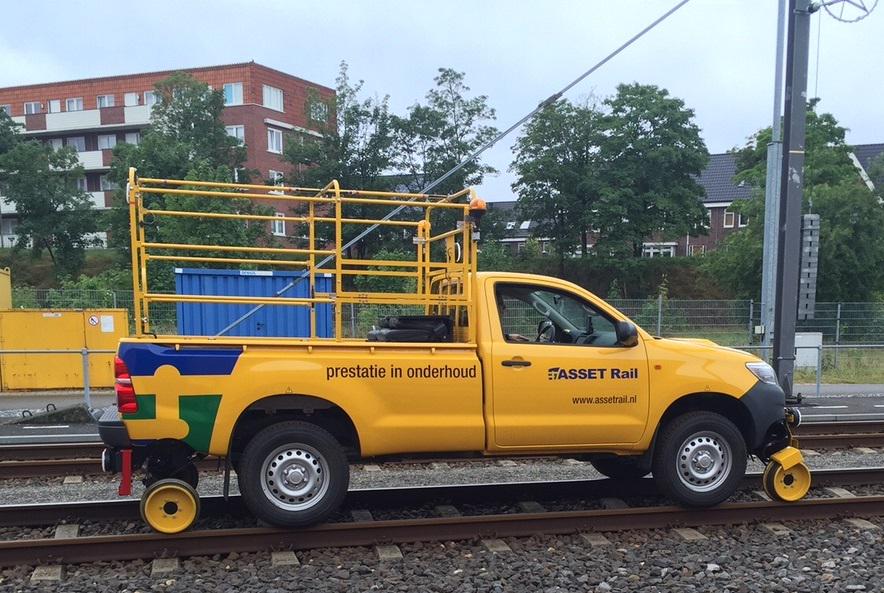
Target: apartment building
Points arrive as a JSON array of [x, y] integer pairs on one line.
[[93, 115]]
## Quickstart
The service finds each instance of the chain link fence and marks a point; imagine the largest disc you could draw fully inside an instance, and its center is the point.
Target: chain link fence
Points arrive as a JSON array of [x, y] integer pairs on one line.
[[729, 322]]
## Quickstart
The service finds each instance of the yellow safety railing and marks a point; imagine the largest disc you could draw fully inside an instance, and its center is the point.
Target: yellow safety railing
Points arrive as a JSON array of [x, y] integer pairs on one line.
[[441, 268]]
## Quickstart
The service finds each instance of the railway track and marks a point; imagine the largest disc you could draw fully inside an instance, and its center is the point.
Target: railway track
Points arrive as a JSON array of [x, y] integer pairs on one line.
[[62, 459], [222, 541]]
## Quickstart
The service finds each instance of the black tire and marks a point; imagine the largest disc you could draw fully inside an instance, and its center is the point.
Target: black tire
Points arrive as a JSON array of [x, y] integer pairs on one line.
[[621, 468], [685, 444], [309, 453]]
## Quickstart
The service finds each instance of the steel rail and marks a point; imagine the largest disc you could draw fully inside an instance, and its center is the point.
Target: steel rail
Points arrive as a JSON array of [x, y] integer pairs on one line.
[[59, 459], [37, 514], [330, 535]]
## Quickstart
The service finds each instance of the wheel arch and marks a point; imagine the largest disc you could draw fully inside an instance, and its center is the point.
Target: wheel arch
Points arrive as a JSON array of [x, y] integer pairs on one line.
[[307, 408], [728, 406]]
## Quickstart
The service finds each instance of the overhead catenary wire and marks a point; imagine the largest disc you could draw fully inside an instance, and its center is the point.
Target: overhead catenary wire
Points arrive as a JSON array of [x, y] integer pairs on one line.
[[473, 156]]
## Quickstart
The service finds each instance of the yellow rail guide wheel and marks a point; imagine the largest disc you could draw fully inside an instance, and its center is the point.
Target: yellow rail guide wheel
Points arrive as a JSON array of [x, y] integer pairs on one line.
[[170, 506]]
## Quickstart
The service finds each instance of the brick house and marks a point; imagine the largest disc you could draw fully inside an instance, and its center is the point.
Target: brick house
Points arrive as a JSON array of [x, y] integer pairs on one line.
[[721, 193], [93, 115]]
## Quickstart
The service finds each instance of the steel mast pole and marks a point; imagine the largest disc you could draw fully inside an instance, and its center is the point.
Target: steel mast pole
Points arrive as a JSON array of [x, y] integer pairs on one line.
[[791, 180], [772, 190]]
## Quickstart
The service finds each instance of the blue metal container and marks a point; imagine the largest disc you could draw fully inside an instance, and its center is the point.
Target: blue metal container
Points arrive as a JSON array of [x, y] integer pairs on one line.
[[207, 319]]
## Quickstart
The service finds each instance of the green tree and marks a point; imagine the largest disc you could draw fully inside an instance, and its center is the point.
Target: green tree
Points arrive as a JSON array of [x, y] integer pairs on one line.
[[558, 168], [851, 216], [652, 155], [55, 215], [436, 136], [186, 139], [355, 147]]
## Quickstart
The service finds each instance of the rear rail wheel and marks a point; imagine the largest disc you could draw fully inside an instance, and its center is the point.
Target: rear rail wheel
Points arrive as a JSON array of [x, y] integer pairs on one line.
[[170, 506], [293, 474], [699, 459]]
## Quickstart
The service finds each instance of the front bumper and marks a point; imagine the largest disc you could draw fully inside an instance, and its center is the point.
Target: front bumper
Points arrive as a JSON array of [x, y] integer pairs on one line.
[[771, 422]]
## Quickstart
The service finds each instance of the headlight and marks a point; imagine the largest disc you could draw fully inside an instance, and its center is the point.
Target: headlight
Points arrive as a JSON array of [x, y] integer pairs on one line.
[[763, 371]]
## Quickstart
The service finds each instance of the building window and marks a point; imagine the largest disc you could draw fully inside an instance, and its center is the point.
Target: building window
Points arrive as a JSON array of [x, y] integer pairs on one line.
[[658, 250], [273, 98], [33, 107], [106, 141], [105, 183], [279, 226], [274, 140], [133, 138], [276, 177], [238, 132], [54, 105], [104, 101], [707, 222], [77, 142], [75, 104], [81, 183], [56, 143], [7, 109], [526, 224], [150, 98], [511, 225], [698, 249], [728, 219], [319, 111], [742, 220], [233, 93], [130, 99]]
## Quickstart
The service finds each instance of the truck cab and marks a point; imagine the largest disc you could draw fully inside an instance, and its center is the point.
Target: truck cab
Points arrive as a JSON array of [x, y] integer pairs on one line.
[[483, 363]]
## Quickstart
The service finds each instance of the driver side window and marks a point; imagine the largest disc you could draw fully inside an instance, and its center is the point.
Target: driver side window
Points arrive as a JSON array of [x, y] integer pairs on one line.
[[531, 314]]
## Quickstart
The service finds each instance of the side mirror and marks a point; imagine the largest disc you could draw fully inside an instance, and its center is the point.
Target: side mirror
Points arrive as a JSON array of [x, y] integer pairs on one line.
[[627, 334]]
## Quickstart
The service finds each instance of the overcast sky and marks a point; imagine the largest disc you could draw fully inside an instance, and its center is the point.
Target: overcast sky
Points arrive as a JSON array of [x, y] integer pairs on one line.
[[718, 55]]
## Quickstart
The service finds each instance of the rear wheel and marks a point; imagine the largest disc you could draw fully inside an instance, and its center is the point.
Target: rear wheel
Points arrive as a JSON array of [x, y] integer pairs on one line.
[[699, 459], [621, 468], [293, 474]]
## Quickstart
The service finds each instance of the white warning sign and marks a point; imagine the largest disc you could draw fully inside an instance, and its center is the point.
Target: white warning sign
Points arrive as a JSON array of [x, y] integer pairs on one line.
[[93, 320]]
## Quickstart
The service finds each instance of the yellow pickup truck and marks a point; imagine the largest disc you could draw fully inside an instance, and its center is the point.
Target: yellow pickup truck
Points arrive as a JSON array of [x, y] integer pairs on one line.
[[474, 362]]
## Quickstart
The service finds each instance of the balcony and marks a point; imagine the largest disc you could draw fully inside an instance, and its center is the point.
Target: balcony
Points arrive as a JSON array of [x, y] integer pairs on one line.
[[93, 160], [89, 119], [100, 201]]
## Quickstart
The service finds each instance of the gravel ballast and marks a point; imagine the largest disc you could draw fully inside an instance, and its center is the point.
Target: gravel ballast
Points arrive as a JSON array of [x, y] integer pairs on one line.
[[813, 556]]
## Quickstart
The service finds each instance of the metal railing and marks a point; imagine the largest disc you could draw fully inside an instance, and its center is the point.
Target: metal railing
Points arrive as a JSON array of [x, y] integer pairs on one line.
[[84, 353]]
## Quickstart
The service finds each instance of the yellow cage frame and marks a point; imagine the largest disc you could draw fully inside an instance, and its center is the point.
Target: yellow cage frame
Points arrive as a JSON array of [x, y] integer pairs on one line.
[[440, 286]]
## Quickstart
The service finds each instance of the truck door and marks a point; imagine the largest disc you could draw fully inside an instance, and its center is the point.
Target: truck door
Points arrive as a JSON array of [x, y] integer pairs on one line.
[[559, 376]]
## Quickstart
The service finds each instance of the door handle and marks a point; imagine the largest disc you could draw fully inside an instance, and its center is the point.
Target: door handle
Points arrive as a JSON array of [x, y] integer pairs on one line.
[[516, 363]]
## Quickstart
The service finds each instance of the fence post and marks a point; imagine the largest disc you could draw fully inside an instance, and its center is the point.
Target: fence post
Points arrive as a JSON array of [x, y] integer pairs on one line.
[[819, 367], [114, 292], [837, 332], [87, 394], [659, 314], [751, 316]]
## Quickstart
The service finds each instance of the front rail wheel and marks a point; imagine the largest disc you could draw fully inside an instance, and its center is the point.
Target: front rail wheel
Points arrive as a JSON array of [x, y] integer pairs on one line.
[[170, 506], [786, 485], [293, 474], [699, 459]]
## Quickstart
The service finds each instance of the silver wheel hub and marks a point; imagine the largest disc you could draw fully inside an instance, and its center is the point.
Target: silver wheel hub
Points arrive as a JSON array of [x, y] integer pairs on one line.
[[294, 477], [704, 461]]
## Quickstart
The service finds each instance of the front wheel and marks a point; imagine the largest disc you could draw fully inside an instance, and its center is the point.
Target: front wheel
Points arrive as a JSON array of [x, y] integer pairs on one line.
[[293, 474], [699, 459]]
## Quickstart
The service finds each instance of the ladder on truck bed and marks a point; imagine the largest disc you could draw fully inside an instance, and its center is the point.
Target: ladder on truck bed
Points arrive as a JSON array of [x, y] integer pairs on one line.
[[441, 268]]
